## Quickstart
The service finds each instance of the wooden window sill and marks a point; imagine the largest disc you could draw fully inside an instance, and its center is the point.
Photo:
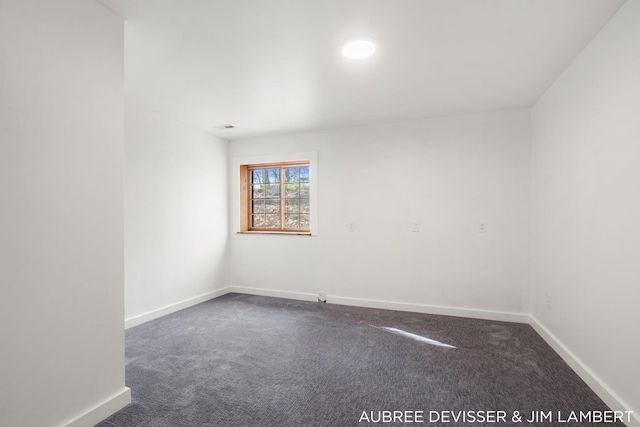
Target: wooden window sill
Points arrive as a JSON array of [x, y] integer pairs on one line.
[[293, 233]]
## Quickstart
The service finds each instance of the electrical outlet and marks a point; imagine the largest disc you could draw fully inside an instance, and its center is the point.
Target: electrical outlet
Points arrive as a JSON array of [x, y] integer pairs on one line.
[[482, 228], [415, 227], [549, 301], [352, 226]]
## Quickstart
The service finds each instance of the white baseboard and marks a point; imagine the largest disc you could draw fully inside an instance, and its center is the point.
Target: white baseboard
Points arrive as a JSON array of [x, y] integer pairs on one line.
[[597, 385], [389, 305], [301, 296], [103, 410], [432, 309], [163, 311]]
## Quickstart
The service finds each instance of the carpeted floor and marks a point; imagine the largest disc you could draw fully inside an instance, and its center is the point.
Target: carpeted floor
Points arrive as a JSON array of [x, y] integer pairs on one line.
[[243, 360]]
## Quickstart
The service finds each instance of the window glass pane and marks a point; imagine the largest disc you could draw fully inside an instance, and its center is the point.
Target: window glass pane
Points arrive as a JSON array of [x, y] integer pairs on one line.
[[304, 221], [291, 205], [272, 176], [291, 221], [304, 174], [271, 221], [257, 206], [257, 177], [257, 191], [272, 206], [272, 190], [278, 188], [290, 191], [257, 221], [291, 174], [304, 190], [304, 205]]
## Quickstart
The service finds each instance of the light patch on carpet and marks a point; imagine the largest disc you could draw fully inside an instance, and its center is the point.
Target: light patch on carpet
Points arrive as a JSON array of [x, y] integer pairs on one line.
[[419, 338]]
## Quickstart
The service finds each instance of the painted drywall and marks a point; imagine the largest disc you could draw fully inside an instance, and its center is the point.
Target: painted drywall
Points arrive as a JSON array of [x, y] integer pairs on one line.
[[61, 221], [586, 205], [176, 213], [447, 174]]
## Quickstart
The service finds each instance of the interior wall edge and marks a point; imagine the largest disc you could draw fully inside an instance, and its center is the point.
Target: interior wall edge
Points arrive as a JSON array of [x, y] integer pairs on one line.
[[603, 391], [103, 410], [172, 308]]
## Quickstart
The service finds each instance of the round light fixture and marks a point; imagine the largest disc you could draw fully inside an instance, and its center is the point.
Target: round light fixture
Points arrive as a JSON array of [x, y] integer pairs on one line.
[[358, 49]]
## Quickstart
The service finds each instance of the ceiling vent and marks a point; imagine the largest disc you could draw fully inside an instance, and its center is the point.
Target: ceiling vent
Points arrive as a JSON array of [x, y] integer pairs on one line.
[[223, 127]]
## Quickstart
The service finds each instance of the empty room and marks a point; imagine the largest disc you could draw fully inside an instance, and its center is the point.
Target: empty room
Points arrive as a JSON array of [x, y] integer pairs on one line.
[[319, 213]]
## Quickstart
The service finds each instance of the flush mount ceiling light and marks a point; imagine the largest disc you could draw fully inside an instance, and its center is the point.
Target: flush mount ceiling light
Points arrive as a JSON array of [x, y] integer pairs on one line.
[[359, 49]]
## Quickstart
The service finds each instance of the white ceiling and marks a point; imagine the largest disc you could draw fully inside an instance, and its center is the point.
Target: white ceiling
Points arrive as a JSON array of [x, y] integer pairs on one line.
[[274, 66]]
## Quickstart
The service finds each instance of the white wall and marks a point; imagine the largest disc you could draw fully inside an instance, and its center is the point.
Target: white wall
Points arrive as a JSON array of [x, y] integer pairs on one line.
[[586, 206], [176, 214], [449, 174], [61, 222]]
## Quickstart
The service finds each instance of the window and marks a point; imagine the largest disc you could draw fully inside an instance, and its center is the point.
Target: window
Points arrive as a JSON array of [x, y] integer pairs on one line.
[[275, 197]]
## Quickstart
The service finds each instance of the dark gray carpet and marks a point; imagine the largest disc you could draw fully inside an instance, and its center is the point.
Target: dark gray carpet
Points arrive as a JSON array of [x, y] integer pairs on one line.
[[243, 360]]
